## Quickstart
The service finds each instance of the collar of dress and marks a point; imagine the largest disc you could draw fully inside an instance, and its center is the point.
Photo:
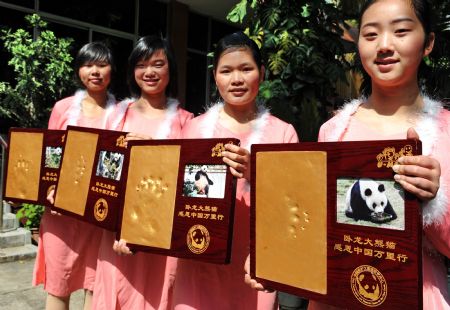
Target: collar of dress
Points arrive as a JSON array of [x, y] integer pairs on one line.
[[75, 109], [211, 119], [164, 128]]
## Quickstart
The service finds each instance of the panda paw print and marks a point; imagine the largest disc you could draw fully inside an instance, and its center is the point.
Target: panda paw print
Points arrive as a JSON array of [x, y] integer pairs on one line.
[[298, 219], [149, 189], [22, 165], [21, 168], [153, 185], [80, 169]]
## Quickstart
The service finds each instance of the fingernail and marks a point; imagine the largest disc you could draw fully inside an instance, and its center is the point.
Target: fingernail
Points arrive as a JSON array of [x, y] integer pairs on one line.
[[395, 168], [397, 177]]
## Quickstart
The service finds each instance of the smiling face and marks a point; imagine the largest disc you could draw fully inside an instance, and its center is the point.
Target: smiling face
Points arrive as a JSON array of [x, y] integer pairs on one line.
[[95, 76], [392, 42], [237, 77], [152, 75]]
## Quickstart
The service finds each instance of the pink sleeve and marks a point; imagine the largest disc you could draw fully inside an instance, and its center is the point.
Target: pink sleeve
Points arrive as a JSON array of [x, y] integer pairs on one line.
[[439, 231], [55, 116], [290, 136], [184, 117], [116, 120], [321, 137], [439, 235], [186, 130], [438, 209]]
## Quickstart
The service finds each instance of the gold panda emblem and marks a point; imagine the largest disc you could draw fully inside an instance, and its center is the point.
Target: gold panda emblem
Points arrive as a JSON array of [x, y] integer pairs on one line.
[[368, 285], [100, 209], [198, 239]]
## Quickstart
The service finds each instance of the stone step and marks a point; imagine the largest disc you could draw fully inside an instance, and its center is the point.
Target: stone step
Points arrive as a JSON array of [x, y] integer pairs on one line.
[[10, 222], [15, 238], [27, 251]]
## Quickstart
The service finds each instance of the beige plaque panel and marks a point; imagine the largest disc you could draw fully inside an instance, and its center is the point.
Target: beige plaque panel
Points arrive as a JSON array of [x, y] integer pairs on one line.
[[291, 219], [24, 165], [76, 170], [150, 195]]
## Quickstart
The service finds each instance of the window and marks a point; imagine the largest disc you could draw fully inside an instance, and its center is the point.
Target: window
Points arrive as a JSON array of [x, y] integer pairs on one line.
[[118, 15], [196, 83], [198, 32], [152, 18]]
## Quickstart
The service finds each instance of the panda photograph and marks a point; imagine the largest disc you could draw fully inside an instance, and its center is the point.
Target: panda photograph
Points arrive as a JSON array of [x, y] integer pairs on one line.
[[204, 181], [369, 202], [110, 165]]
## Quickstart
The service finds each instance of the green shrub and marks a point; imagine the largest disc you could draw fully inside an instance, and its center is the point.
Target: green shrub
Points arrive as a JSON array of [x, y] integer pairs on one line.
[[30, 215], [43, 73]]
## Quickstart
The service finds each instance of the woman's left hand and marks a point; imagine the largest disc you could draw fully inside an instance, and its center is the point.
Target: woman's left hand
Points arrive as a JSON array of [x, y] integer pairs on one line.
[[419, 174], [121, 248], [238, 159], [135, 136]]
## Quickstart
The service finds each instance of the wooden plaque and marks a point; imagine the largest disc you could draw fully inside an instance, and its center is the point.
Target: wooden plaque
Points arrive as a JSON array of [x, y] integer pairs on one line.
[[90, 186], [330, 224], [32, 164], [171, 197], [179, 199]]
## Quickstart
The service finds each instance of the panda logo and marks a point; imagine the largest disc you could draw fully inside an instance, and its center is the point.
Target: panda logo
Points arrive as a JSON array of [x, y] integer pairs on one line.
[[198, 239], [369, 285], [366, 200]]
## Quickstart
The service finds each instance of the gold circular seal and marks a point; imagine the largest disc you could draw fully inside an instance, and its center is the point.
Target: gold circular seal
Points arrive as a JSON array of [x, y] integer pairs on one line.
[[198, 239], [368, 285], [100, 209]]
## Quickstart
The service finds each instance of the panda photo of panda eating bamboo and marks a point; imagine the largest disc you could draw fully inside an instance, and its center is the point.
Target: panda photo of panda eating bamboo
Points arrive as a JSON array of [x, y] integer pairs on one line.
[[368, 202]]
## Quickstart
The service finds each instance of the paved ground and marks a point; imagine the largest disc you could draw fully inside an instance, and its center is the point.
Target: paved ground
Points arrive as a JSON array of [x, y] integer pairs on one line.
[[16, 292]]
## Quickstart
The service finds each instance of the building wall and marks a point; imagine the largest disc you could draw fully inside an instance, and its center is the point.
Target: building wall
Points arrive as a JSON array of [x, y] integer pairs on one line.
[[120, 24]]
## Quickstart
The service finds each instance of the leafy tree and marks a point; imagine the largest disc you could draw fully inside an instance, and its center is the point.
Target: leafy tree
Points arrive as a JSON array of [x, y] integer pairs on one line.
[[304, 56], [42, 70], [437, 76]]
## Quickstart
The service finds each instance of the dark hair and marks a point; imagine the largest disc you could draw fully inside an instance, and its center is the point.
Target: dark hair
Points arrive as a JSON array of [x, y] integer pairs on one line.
[[93, 52], [235, 41], [424, 12], [143, 50]]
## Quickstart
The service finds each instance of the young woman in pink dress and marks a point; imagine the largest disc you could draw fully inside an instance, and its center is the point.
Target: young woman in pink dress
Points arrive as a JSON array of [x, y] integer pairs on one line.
[[67, 248], [394, 37], [238, 72], [142, 280]]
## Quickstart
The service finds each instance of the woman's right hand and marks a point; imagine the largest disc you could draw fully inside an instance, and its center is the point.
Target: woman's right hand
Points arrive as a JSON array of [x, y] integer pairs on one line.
[[120, 247], [51, 196], [51, 199], [250, 281]]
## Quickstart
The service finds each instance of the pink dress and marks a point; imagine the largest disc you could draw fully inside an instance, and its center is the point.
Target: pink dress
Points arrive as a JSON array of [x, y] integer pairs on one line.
[[67, 248], [434, 131], [141, 281], [207, 286]]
